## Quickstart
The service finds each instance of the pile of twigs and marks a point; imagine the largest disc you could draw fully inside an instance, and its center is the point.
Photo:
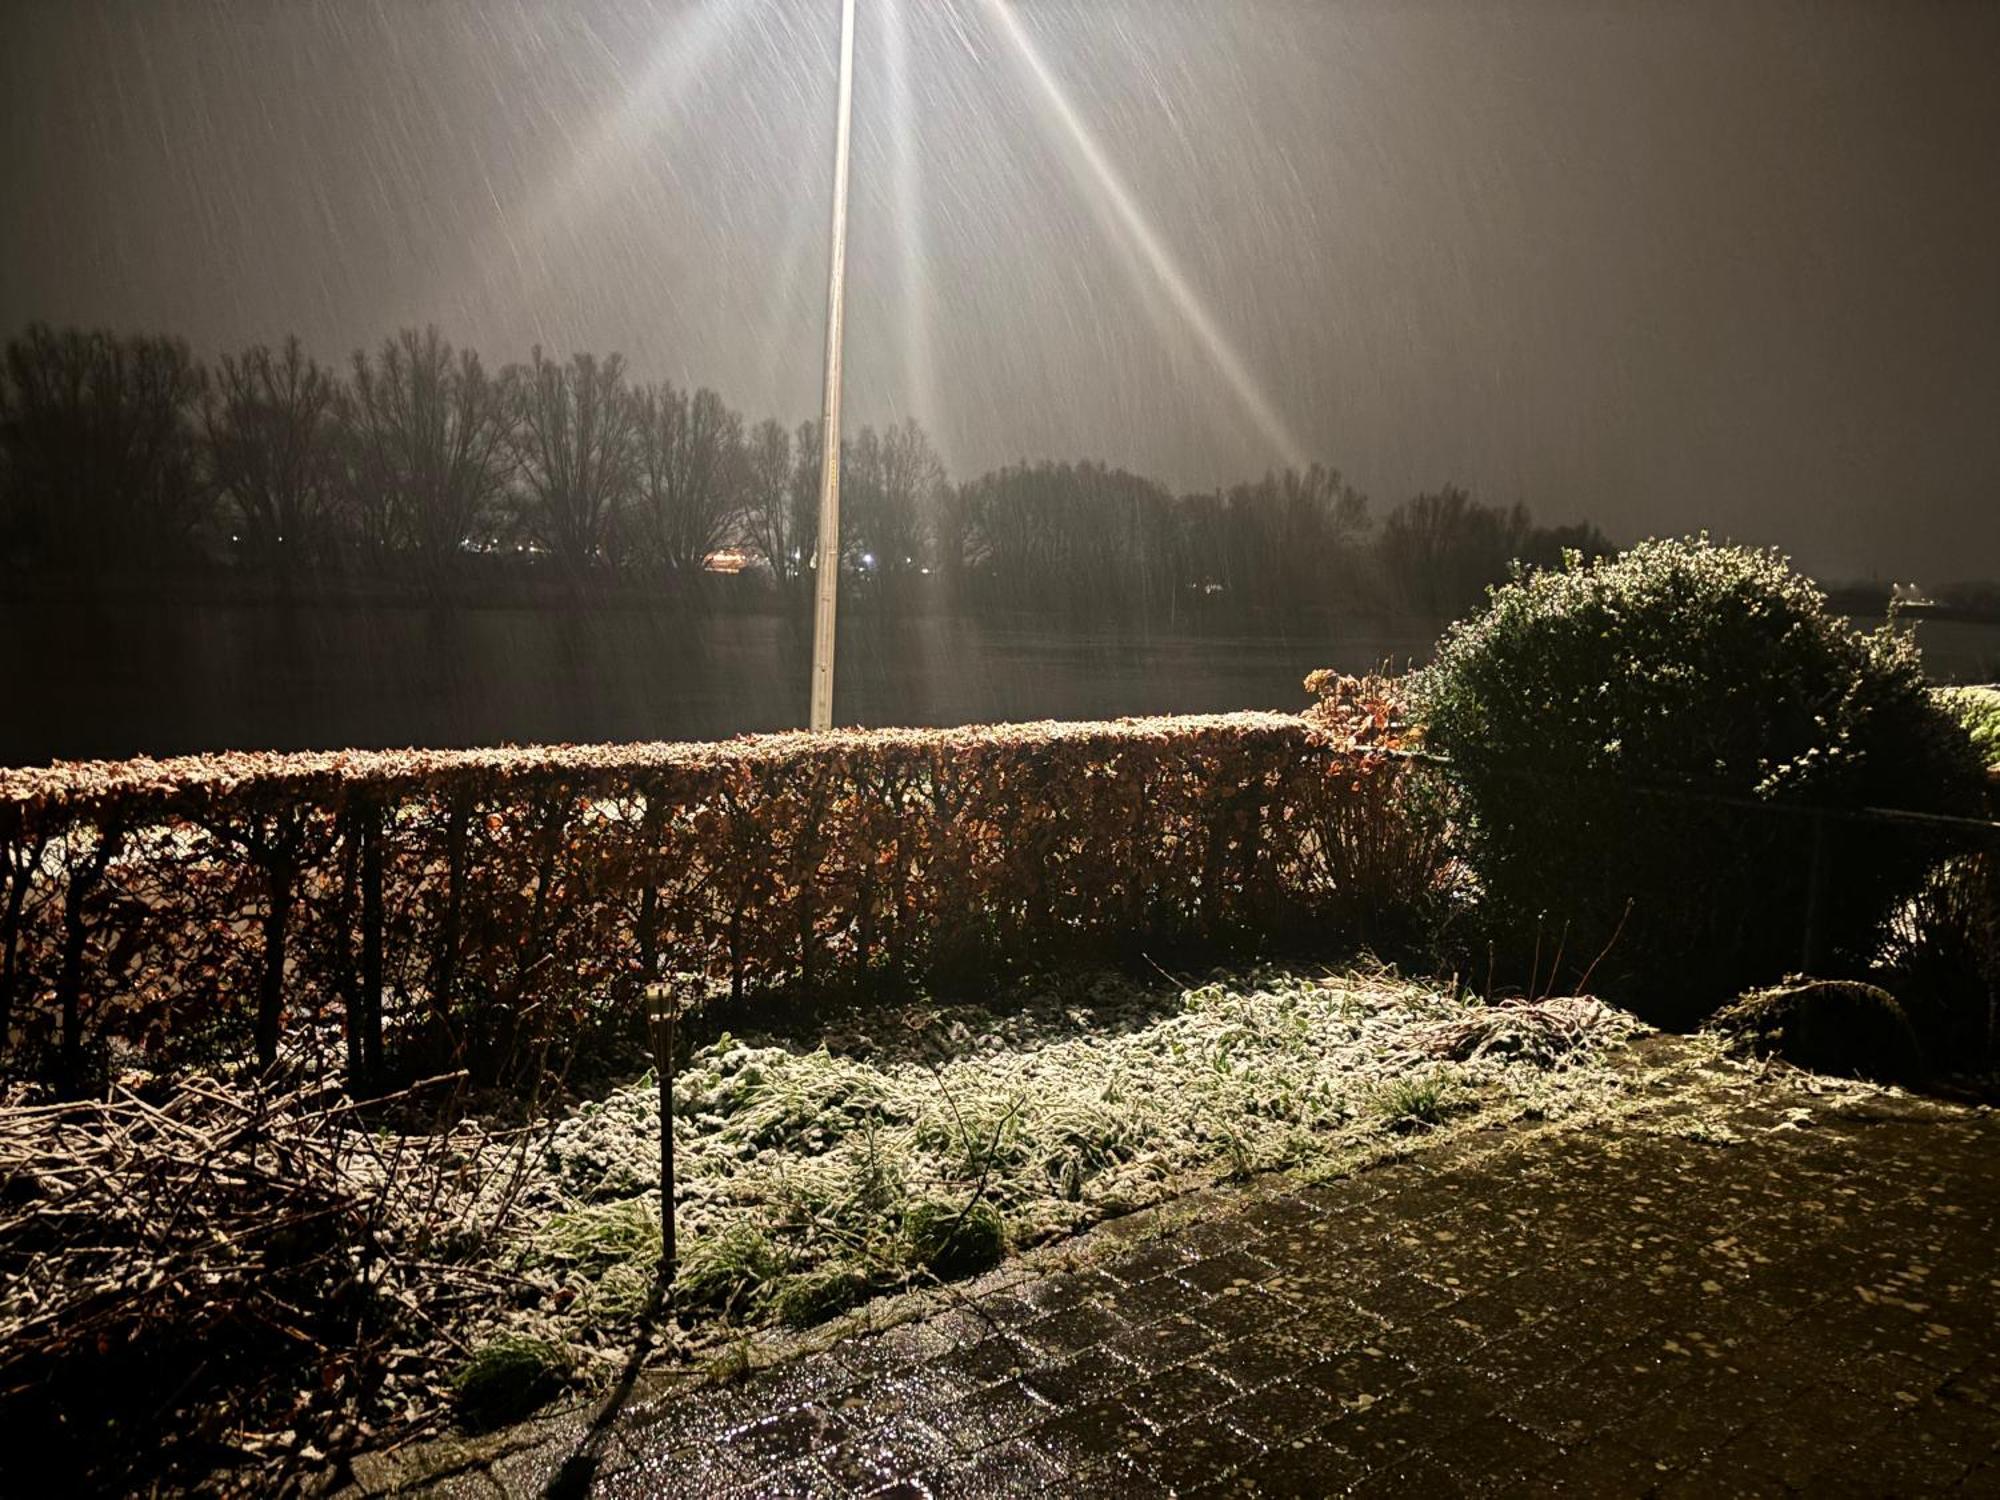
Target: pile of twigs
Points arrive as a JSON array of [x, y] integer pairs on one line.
[[231, 1275], [1549, 1031]]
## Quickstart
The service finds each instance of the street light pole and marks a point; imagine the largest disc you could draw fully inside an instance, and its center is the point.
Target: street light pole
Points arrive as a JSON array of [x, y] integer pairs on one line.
[[826, 565]]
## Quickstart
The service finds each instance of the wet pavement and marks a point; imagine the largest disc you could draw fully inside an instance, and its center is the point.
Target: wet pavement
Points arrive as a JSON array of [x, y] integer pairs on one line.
[[1778, 1295]]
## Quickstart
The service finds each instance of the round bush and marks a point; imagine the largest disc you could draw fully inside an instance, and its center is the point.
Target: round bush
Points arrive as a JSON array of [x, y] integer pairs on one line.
[[1838, 1026], [951, 1240], [1978, 709], [508, 1378], [801, 1301], [1607, 724]]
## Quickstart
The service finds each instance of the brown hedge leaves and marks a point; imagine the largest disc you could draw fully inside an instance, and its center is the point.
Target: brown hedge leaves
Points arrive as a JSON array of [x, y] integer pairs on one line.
[[487, 907]]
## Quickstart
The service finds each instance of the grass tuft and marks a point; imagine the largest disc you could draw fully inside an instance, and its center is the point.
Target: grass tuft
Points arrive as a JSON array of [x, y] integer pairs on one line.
[[507, 1377], [1420, 1102], [953, 1240], [729, 1268], [602, 1234], [813, 1297]]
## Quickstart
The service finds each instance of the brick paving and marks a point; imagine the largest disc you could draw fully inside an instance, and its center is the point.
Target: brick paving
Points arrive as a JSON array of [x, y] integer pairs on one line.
[[1811, 1307]]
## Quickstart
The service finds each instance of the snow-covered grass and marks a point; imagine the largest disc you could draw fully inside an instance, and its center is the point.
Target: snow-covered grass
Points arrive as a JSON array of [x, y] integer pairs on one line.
[[917, 1143]]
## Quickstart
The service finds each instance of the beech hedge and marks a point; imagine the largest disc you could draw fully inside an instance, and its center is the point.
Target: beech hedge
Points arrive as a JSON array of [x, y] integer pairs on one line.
[[487, 908]]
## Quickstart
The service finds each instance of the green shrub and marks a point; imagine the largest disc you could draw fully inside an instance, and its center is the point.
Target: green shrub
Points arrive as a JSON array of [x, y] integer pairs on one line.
[[1420, 1101], [1710, 670], [814, 1296], [729, 1267], [507, 1378], [951, 1240], [1942, 959], [1978, 709], [603, 1234]]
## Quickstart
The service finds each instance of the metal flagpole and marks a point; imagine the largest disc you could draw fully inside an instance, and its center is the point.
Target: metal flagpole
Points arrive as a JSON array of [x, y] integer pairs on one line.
[[827, 554]]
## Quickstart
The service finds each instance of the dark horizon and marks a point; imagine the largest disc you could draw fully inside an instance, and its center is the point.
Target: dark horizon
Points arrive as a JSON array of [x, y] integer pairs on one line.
[[1659, 268]]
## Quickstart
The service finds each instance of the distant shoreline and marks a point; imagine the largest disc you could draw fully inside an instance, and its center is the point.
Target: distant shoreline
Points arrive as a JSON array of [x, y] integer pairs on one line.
[[724, 595], [713, 596]]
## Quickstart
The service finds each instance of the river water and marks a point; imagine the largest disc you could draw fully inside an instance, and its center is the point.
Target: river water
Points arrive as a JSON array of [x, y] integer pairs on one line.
[[122, 678]]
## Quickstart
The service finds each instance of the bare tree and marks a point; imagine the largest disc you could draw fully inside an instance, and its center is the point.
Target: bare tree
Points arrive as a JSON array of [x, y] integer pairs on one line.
[[1444, 549], [1077, 537], [98, 436], [367, 486], [1291, 541], [690, 474], [806, 454], [894, 480], [769, 513], [574, 444], [430, 432], [268, 421], [953, 538]]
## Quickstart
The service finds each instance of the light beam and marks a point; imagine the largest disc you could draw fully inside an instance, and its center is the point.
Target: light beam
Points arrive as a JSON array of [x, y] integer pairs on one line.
[[1089, 162]]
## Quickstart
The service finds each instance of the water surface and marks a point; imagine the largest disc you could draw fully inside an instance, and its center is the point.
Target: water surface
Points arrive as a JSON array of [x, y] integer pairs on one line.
[[124, 677]]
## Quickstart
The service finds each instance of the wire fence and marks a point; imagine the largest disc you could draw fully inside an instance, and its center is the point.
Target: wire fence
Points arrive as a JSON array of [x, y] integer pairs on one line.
[[1962, 890]]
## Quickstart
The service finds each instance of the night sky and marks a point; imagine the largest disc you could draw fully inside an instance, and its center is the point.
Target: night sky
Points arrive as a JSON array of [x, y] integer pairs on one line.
[[1663, 266]]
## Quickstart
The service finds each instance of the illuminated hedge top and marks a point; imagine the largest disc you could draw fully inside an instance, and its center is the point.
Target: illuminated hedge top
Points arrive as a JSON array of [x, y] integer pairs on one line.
[[73, 788]]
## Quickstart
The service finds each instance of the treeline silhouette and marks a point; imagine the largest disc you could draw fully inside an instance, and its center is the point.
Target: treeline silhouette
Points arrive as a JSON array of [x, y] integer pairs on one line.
[[419, 469]]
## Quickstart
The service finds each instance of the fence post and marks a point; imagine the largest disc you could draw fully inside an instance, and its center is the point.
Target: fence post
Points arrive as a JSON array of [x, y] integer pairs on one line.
[[1815, 889], [280, 868], [1989, 891], [23, 858], [76, 934], [347, 978], [444, 1047], [371, 829], [661, 1010]]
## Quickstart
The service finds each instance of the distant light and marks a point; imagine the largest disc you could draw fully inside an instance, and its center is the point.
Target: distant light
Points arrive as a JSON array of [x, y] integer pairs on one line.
[[729, 560], [867, 559], [926, 572]]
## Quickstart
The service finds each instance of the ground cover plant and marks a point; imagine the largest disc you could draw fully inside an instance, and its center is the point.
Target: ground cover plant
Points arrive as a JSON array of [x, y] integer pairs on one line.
[[922, 1140], [467, 1275], [1638, 745]]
